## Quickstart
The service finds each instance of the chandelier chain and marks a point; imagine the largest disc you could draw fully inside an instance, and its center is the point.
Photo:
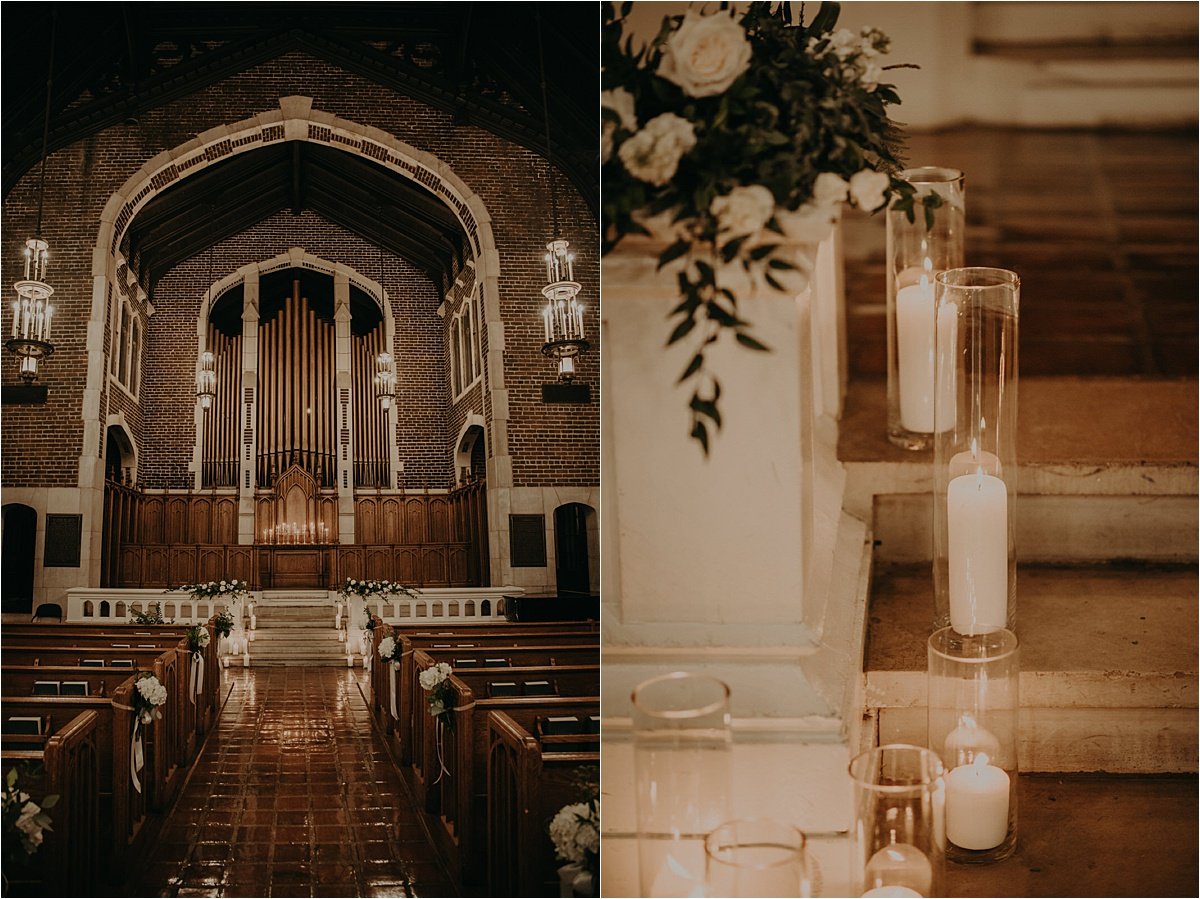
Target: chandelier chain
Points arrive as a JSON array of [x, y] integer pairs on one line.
[[546, 114], [46, 119]]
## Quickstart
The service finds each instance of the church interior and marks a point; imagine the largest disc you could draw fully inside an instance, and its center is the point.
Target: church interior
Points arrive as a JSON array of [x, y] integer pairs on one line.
[[308, 487], [301, 389]]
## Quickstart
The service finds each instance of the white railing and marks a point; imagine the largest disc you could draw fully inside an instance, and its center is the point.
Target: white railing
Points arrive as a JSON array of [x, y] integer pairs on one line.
[[111, 605], [457, 604]]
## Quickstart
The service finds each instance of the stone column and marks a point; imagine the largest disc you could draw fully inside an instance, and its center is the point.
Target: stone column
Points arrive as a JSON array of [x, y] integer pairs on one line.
[[248, 405], [344, 408]]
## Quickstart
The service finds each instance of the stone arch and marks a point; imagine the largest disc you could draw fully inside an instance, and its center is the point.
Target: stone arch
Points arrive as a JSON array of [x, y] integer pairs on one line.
[[119, 438], [295, 119], [473, 430]]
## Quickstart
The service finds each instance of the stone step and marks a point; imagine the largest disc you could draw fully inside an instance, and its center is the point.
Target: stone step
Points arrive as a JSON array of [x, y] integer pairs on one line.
[[1108, 660], [272, 598]]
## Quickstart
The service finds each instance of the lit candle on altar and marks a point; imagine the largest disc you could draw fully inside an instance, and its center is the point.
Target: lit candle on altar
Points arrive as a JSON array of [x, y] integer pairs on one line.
[[977, 527], [977, 805], [969, 740], [899, 866], [915, 348]]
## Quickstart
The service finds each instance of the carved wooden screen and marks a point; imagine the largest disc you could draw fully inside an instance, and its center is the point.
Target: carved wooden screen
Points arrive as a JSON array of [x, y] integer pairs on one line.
[[296, 376]]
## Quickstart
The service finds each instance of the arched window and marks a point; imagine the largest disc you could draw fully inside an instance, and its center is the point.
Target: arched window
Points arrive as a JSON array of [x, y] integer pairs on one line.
[[117, 339], [464, 352], [126, 324], [135, 356]]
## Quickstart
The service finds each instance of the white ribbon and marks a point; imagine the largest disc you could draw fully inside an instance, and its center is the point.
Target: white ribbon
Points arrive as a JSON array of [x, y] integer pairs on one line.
[[395, 666], [438, 729], [136, 760], [197, 676]]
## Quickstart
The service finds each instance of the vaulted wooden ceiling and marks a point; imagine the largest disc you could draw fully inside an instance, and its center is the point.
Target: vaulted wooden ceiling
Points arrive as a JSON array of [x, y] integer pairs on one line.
[[114, 61], [227, 197]]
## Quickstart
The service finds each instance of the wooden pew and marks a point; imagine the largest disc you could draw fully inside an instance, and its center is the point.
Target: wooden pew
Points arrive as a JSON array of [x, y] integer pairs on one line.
[[405, 737], [425, 635], [73, 634], [495, 637], [122, 808], [529, 779], [67, 861], [171, 741], [459, 828]]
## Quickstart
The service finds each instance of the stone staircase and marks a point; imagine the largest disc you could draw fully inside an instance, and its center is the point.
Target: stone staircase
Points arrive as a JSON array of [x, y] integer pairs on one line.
[[1106, 546], [295, 627]]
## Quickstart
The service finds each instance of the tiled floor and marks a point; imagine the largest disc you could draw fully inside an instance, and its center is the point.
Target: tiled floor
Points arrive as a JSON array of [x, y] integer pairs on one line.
[[294, 796], [1101, 227]]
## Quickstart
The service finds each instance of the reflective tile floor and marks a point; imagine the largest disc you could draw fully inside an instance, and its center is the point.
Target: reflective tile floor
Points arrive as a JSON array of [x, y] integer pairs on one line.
[[294, 795]]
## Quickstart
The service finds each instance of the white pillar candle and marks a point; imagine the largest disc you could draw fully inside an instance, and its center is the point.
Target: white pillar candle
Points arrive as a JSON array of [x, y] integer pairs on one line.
[[891, 891], [977, 805], [915, 348], [977, 526], [969, 740], [973, 462], [900, 866]]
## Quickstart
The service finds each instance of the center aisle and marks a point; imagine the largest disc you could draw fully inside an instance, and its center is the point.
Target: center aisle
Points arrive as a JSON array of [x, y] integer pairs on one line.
[[293, 796]]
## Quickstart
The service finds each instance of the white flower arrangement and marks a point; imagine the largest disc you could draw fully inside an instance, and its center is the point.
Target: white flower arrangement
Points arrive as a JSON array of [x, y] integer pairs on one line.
[[148, 695], [355, 587], [197, 637], [575, 831], [387, 649], [756, 130], [25, 821], [435, 681]]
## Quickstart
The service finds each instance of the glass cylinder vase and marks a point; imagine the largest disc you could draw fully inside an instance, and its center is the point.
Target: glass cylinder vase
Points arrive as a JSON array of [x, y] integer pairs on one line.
[[756, 857], [683, 749], [974, 702], [924, 237], [975, 451], [897, 840]]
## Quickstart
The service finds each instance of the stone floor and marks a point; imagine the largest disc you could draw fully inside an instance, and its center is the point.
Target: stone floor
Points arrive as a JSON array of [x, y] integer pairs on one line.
[[1101, 227], [293, 795]]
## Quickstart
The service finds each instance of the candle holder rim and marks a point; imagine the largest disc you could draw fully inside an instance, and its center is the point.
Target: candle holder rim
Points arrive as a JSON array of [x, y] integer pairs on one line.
[[925, 751], [931, 174], [1011, 645], [682, 714], [709, 853], [1004, 277]]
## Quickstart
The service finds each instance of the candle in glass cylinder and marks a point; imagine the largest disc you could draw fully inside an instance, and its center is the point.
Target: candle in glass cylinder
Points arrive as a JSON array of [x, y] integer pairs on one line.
[[977, 528], [915, 346], [977, 805]]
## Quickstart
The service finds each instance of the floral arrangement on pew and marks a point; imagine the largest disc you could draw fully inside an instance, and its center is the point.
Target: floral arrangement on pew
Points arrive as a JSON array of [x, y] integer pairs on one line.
[[435, 681], [740, 134], [223, 624], [575, 831], [148, 695], [198, 639], [25, 821], [389, 653]]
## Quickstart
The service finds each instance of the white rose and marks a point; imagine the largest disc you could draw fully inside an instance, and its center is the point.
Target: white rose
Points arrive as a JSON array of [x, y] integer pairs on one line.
[[706, 54], [744, 210], [871, 75], [868, 187], [621, 102], [652, 155], [844, 42], [203, 638], [444, 670], [428, 678], [386, 647], [829, 189]]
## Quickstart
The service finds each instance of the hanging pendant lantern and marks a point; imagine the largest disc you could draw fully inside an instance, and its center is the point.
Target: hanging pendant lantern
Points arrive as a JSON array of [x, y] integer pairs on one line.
[[32, 312], [562, 316]]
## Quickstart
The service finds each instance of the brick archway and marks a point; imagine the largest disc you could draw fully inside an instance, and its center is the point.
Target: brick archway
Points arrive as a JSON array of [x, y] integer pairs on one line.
[[295, 119]]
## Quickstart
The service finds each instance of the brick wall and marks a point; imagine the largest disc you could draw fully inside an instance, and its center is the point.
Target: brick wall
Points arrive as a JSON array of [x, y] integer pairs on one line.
[[549, 445]]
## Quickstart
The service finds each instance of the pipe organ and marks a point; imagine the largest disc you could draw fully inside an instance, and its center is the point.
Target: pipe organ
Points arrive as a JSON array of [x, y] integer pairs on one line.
[[220, 431], [371, 421], [297, 380]]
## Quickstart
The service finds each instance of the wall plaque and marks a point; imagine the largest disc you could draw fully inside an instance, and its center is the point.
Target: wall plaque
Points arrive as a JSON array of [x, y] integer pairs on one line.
[[528, 540], [64, 535]]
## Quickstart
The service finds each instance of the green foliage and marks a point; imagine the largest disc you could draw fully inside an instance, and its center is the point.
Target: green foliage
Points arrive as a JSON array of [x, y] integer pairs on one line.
[[152, 615], [811, 102]]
